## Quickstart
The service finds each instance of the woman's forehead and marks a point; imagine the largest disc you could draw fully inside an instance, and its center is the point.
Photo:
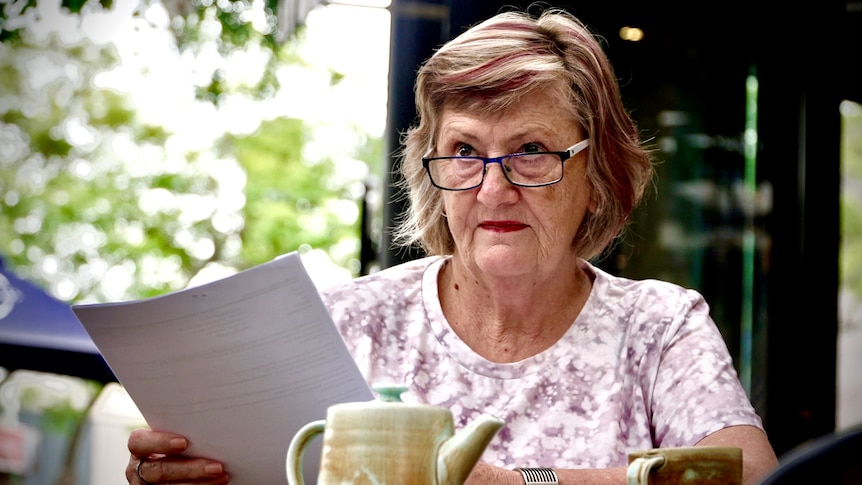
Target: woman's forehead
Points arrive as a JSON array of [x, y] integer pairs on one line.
[[537, 113]]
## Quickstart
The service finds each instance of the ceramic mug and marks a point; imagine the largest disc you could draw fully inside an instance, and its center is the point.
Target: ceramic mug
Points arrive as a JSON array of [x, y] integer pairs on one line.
[[694, 465]]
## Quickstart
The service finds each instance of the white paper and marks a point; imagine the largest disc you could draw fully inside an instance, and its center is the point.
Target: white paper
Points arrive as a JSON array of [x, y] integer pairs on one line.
[[237, 365]]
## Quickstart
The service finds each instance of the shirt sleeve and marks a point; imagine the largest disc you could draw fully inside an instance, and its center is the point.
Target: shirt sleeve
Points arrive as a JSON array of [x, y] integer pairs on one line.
[[695, 388]]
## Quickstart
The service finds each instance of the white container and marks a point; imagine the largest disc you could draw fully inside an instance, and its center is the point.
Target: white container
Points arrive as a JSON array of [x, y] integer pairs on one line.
[[40, 415], [112, 418]]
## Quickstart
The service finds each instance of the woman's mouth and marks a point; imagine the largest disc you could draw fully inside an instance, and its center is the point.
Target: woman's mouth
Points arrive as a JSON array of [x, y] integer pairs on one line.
[[502, 226]]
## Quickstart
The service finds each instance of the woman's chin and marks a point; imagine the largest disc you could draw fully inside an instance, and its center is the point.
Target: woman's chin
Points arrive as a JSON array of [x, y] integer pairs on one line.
[[502, 261]]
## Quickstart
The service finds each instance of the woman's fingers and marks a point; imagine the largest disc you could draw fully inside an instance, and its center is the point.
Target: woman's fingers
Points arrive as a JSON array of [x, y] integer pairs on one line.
[[155, 459], [176, 470], [146, 442]]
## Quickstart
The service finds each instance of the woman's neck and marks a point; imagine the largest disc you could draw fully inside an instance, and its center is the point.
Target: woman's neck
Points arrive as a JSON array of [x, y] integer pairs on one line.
[[507, 320]]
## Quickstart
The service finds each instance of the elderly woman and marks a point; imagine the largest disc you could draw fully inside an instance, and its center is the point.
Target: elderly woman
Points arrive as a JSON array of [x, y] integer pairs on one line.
[[523, 166]]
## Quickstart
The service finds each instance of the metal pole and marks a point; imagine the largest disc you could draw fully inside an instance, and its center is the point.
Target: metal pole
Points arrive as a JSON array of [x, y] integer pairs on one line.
[[417, 28]]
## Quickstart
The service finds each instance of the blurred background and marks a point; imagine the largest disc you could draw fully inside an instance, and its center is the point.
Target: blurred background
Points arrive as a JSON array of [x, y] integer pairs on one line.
[[147, 145]]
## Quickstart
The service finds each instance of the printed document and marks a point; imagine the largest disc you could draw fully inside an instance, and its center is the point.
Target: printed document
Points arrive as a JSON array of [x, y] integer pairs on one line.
[[238, 365]]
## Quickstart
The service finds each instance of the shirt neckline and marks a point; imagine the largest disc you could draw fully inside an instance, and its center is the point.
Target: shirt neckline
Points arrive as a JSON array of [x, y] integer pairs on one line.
[[458, 350]]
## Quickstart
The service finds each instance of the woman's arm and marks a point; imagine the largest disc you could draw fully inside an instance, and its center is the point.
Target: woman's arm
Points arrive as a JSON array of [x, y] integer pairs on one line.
[[484, 474], [758, 460]]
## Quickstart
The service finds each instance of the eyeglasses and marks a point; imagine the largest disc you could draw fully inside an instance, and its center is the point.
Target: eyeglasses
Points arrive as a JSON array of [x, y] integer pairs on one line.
[[536, 169]]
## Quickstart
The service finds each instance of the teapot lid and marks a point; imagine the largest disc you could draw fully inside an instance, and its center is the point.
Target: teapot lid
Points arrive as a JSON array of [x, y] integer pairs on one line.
[[390, 393]]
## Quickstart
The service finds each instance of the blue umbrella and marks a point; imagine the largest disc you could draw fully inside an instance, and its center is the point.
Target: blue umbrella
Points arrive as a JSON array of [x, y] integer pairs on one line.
[[31, 317]]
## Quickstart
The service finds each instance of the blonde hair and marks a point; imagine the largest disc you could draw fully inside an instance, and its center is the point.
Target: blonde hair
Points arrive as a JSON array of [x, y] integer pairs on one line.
[[487, 69]]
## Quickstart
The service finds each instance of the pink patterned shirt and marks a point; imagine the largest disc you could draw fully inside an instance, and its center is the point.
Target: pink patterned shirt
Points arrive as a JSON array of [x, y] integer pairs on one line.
[[642, 366]]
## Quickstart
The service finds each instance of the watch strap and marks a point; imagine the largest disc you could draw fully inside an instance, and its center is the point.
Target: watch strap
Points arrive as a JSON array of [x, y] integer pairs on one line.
[[538, 476]]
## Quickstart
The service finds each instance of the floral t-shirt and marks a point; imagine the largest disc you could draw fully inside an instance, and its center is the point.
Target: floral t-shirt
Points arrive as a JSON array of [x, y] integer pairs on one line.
[[642, 366]]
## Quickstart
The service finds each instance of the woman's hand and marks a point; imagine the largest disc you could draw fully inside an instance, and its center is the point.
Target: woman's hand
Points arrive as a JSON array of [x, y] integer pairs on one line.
[[156, 459]]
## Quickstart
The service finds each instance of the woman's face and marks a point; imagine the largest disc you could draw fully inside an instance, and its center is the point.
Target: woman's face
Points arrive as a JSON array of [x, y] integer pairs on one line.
[[502, 230]]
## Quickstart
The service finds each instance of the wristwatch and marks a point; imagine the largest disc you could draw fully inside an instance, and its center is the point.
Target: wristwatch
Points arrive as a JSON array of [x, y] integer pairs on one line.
[[538, 476]]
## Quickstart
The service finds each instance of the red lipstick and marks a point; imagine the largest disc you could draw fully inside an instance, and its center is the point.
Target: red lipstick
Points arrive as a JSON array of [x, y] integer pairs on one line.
[[502, 226]]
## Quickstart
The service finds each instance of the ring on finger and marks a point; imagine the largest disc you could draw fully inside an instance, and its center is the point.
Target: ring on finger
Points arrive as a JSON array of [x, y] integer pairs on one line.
[[138, 472]]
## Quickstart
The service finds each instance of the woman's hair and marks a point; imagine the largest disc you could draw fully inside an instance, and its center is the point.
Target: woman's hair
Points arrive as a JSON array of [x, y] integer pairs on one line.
[[491, 66]]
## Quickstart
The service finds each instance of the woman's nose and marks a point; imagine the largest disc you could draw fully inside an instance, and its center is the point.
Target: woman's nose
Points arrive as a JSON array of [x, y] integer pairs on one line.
[[496, 184], [495, 172]]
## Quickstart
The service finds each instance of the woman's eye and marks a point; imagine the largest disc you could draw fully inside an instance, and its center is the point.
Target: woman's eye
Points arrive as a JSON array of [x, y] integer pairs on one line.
[[465, 151], [531, 148]]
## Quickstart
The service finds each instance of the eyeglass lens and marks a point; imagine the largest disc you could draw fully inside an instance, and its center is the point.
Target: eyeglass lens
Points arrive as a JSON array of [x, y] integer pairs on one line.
[[528, 169]]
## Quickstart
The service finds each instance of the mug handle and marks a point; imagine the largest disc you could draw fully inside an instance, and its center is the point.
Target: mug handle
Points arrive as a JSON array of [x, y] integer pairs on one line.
[[638, 471], [293, 462]]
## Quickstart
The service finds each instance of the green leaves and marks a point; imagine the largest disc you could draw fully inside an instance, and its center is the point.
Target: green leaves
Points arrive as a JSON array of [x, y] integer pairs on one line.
[[851, 199], [102, 201], [288, 196]]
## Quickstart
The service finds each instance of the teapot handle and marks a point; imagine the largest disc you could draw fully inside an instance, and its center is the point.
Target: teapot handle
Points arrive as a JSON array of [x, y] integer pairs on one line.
[[293, 462]]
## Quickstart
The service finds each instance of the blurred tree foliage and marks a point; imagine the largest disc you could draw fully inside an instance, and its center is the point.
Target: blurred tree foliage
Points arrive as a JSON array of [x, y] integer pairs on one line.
[[96, 205], [284, 208], [851, 199]]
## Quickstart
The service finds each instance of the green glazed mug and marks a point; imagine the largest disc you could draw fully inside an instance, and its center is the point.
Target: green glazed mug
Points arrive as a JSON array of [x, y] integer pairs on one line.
[[694, 465]]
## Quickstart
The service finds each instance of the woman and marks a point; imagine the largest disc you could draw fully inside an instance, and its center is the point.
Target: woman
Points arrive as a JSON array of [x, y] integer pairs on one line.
[[523, 166]]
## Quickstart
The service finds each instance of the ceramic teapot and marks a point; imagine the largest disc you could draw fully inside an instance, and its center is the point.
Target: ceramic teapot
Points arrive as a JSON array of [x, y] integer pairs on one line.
[[389, 442]]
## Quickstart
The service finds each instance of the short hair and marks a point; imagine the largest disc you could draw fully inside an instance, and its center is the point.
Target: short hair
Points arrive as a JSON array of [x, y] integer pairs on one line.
[[491, 66]]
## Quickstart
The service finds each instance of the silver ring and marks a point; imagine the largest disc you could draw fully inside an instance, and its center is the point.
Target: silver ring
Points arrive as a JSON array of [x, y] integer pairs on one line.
[[138, 472]]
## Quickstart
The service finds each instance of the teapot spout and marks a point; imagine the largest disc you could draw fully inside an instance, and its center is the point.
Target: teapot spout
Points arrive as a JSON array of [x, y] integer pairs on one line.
[[460, 453]]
